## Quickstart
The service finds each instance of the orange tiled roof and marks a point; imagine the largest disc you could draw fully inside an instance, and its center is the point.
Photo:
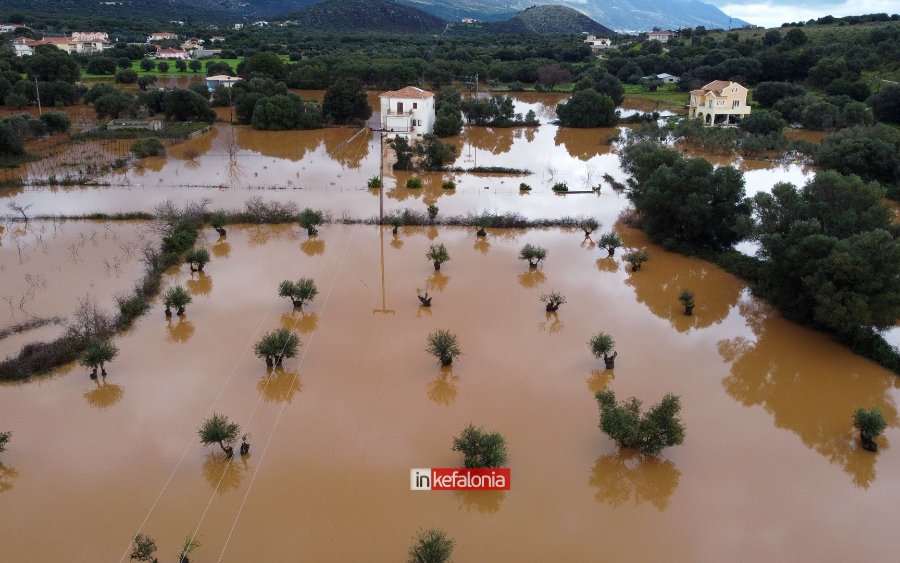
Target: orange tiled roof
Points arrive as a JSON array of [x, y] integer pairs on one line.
[[716, 86], [408, 92]]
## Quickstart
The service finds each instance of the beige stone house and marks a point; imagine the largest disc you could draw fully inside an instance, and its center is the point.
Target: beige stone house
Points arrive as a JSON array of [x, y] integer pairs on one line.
[[720, 102]]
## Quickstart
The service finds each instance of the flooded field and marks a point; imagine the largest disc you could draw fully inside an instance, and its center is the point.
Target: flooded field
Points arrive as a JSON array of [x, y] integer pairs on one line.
[[328, 169], [770, 468], [46, 266]]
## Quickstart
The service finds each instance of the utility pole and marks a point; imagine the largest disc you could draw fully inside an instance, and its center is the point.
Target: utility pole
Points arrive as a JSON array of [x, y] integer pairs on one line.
[[380, 177], [38, 94]]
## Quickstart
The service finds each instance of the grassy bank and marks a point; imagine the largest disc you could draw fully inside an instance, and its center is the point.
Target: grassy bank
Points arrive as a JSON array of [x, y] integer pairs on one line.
[[173, 72], [169, 131], [668, 93]]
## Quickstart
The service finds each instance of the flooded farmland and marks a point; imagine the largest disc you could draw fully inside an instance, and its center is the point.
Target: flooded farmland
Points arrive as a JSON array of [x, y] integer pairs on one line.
[[328, 169], [770, 468]]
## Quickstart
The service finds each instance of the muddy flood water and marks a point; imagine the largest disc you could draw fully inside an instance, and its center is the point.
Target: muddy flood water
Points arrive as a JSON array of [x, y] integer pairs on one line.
[[770, 469], [328, 169]]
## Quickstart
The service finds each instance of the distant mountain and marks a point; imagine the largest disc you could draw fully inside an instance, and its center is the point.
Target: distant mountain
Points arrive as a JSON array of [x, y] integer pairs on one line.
[[621, 15], [546, 20], [365, 15]]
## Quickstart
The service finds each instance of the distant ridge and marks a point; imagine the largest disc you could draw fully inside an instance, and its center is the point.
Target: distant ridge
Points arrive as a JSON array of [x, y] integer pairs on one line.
[[383, 16], [558, 19]]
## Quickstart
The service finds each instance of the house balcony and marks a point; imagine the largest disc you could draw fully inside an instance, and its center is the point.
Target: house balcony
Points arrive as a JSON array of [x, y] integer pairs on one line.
[[399, 113]]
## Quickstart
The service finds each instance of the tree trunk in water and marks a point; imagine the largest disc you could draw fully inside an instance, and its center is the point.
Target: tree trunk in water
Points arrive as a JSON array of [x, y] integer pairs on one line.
[[552, 307], [222, 232], [446, 361], [532, 265], [611, 251], [610, 361], [437, 266], [311, 231], [102, 370], [168, 312], [297, 303], [869, 444], [481, 232], [269, 361], [394, 230], [200, 267], [635, 267], [193, 269], [426, 301], [688, 309], [245, 448], [94, 373], [229, 451], [181, 310]]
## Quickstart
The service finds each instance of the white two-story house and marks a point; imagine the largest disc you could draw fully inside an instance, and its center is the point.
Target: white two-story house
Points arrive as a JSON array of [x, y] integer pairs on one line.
[[408, 111]]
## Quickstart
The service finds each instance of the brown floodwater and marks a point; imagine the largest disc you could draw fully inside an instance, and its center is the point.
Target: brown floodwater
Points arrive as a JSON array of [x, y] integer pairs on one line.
[[328, 169], [770, 468], [46, 266]]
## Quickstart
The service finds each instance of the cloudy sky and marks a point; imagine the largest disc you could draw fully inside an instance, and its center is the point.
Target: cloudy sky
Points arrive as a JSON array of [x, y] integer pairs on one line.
[[772, 14]]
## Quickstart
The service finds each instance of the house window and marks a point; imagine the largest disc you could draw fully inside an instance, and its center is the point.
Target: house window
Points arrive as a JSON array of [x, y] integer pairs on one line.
[[415, 105], [735, 103]]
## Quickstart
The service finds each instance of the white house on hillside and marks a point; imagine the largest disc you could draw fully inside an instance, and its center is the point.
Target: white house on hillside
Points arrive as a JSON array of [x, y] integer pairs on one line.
[[598, 43], [87, 42], [661, 36], [408, 111]]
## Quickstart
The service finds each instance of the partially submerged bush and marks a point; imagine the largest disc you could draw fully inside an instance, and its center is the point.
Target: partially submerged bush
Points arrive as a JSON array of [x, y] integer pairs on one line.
[[310, 219], [589, 225], [277, 345], [871, 424], [553, 300], [443, 345], [533, 254], [481, 449], [438, 254], [431, 546], [414, 183], [176, 297], [197, 258], [150, 146], [637, 258], [4, 439], [299, 292], [218, 429], [601, 345], [686, 298], [648, 432], [610, 241], [98, 353]]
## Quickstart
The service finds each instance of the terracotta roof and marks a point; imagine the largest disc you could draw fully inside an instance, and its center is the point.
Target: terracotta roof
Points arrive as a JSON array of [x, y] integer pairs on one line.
[[408, 92], [716, 86]]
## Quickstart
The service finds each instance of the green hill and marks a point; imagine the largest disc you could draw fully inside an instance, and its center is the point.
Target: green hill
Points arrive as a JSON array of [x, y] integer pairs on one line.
[[365, 15], [558, 19]]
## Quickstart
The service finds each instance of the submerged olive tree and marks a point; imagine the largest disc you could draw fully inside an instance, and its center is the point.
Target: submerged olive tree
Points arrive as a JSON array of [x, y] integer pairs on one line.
[[686, 298], [190, 544], [533, 254], [310, 219], [4, 439], [218, 429], [431, 546], [196, 259], [610, 241], [218, 221], [647, 432], [481, 449], [143, 549], [870, 423], [601, 345], [553, 300], [177, 297], [637, 258], [424, 298], [589, 225], [98, 353], [277, 345], [443, 345], [299, 292], [438, 254]]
